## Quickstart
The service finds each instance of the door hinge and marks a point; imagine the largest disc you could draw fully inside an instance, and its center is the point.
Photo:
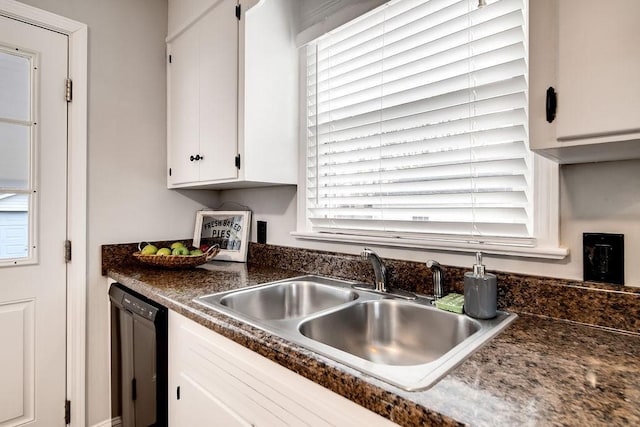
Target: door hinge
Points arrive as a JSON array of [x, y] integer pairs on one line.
[[67, 251], [67, 412], [68, 93], [238, 11], [238, 161]]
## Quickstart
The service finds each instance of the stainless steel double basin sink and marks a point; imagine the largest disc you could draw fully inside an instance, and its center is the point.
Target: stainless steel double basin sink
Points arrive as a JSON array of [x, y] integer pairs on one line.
[[410, 344]]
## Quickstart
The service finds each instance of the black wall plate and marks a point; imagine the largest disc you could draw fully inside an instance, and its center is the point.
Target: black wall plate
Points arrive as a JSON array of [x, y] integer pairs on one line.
[[603, 257], [262, 231]]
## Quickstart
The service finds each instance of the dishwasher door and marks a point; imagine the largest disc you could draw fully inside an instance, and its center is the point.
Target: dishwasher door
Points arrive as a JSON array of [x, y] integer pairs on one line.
[[139, 359]]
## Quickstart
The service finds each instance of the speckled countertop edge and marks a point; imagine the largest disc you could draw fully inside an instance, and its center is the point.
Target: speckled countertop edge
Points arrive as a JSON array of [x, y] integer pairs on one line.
[[597, 372]]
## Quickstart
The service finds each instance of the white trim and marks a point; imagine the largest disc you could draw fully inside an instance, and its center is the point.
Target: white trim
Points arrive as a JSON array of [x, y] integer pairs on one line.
[[111, 422], [546, 201], [77, 194], [440, 245]]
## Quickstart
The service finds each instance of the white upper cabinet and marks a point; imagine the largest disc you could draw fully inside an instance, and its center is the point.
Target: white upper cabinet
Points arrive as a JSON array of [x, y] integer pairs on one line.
[[202, 98], [589, 52], [232, 94]]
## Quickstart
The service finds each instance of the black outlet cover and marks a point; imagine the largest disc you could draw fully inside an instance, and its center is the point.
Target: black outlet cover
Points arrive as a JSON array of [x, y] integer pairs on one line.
[[603, 257], [262, 231]]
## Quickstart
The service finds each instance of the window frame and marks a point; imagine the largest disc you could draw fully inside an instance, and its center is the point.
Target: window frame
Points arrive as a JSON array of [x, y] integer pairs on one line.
[[546, 203], [32, 190]]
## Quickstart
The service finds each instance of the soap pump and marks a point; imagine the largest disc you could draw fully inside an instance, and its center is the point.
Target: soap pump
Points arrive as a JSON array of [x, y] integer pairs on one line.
[[480, 291]]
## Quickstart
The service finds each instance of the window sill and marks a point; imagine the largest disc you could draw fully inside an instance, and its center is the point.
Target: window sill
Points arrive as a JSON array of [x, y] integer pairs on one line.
[[555, 253]]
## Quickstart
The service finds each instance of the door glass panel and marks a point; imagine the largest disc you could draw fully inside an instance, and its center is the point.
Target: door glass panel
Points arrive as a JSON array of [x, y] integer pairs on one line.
[[15, 83], [14, 225], [14, 156]]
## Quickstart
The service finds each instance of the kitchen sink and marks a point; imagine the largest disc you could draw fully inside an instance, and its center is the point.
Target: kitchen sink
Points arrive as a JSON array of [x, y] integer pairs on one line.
[[410, 344], [391, 332]]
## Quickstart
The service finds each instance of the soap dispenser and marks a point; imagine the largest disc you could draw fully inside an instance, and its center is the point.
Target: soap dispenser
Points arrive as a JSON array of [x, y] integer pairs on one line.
[[480, 292]]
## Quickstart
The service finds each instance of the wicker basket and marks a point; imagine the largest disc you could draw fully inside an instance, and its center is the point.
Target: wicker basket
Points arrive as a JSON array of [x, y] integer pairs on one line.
[[178, 261]]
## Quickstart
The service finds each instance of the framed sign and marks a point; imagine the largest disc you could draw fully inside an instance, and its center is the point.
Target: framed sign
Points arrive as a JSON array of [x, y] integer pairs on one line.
[[227, 229]]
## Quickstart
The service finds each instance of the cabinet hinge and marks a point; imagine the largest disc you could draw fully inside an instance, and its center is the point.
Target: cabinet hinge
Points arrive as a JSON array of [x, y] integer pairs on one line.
[[169, 59], [238, 11], [68, 92], [169, 171], [67, 412], [238, 161], [67, 251]]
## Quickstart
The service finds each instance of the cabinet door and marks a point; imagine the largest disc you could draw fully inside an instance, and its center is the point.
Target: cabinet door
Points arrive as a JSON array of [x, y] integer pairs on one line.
[[598, 63], [183, 135], [223, 383], [203, 390], [198, 407], [218, 57], [202, 81]]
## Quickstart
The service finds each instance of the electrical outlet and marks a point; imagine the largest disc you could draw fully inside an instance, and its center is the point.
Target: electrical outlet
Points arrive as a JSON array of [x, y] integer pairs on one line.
[[603, 257], [262, 231]]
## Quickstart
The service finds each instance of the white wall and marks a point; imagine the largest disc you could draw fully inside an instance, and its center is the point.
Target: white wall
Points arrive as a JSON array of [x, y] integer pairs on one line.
[[595, 197], [127, 195]]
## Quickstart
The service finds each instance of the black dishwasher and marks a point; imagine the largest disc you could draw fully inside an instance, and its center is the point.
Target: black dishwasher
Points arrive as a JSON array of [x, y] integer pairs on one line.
[[138, 359]]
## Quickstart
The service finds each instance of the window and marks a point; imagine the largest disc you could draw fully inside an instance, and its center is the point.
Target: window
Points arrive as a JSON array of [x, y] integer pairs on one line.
[[416, 125], [16, 195]]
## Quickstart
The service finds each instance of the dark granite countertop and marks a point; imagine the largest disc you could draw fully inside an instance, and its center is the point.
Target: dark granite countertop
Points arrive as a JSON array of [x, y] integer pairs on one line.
[[539, 371]]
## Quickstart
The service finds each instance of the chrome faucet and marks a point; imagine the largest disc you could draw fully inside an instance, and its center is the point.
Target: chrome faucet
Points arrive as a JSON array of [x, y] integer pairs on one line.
[[438, 278], [378, 268]]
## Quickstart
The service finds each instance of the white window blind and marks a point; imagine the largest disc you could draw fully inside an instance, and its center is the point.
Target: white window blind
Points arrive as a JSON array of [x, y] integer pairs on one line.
[[417, 123]]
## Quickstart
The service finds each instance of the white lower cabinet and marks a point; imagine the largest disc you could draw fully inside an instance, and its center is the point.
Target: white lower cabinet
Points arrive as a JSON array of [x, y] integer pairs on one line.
[[214, 381]]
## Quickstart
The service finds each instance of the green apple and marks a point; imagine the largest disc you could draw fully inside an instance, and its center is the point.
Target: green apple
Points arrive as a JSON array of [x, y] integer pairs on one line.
[[195, 252], [164, 251], [149, 250], [176, 245], [180, 250]]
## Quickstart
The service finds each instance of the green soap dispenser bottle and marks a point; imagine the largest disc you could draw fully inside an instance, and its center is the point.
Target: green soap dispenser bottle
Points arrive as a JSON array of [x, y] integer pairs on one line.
[[480, 292]]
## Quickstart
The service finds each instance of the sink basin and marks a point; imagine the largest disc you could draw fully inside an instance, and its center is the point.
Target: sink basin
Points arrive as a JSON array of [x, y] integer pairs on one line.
[[286, 300], [391, 332], [410, 344]]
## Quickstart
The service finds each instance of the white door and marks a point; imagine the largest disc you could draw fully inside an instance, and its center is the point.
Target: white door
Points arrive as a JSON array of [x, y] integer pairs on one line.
[[33, 166]]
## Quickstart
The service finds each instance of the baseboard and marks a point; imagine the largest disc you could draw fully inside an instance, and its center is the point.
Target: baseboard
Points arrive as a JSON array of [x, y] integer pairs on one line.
[[113, 422]]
